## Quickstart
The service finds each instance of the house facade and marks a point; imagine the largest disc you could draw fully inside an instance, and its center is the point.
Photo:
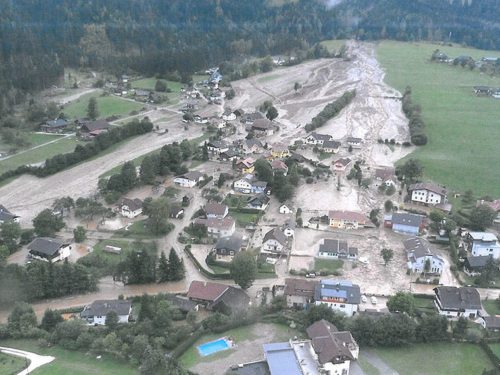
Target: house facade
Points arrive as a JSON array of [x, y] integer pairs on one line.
[[217, 147], [285, 209], [243, 185], [402, 222], [227, 247], [419, 254], [49, 249], [482, 244], [454, 302], [330, 147], [346, 219], [317, 139], [189, 179], [428, 194], [299, 293], [6, 215], [96, 312], [279, 151], [340, 165], [339, 295], [216, 210], [335, 249], [354, 142], [131, 208], [259, 202], [274, 242]]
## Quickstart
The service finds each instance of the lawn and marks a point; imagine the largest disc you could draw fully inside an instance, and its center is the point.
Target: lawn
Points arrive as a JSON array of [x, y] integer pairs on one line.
[[39, 155], [425, 305], [495, 348], [436, 359], [72, 362], [462, 129], [367, 367], [107, 106], [329, 265], [491, 306], [138, 230], [149, 84], [11, 365], [244, 219]]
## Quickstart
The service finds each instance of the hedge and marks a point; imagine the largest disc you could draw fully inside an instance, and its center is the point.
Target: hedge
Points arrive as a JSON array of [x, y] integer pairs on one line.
[[331, 110], [210, 275], [494, 358]]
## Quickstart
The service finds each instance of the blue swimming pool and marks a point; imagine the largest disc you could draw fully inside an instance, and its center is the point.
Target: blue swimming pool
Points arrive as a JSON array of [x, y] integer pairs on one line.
[[213, 347]]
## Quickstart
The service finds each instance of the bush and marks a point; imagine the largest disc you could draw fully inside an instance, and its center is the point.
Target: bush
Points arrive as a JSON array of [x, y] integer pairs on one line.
[[309, 180]]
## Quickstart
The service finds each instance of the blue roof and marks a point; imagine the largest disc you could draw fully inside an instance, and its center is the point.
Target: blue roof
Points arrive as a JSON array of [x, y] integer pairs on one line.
[[342, 289], [281, 359]]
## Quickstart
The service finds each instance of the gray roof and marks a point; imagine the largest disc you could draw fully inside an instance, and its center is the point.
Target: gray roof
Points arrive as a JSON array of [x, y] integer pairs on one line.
[[492, 322], [262, 124], [132, 204], [58, 123], [281, 359], [329, 344], [429, 186], [103, 307], [417, 246], [458, 299], [183, 303], [275, 234], [217, 144], [216, 209], [341, 289], [95, 125], [45, 246], [192, 176], [320, 137], [6, 215], [331, 144], [354, 140], [232, 243], [411, 220], [477, 262], [259, 200], [234, 298], [337, 247]]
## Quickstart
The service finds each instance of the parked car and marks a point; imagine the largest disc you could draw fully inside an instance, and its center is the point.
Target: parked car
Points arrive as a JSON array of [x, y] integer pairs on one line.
[[364, 299], [373, 300], [311, 275]]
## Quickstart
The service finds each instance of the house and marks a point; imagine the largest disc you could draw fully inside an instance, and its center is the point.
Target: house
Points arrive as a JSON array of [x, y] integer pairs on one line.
[[97, 311], [330, 147], [419, 254], [251, 118], [403, 222], [491, 323], [218, 297], [279, 150], [189, 179], [176, 212], [131, 208], [335, 249], [6, 215], [142, 95], [473, 266], [218, 227], [216, 210], [94, 127], [346, 219], [483, 90], [428, 194], [335, 350], [262, 128], [217, 147], [227, 247], [339, 295], [184, 304], [354, 142], [243, 185], [317, 139], [258, 187], [218, 123], [386, 176], [274, 242], [279, 166], [299, 293], [253, 146], [285, 209], [454, 302], [259, 202], [294, 357], [288, 228], [228, 115], [229, 155], [340, 165], [49, 249], [482, 243], [246, 165], [54, 126], [200, 120]]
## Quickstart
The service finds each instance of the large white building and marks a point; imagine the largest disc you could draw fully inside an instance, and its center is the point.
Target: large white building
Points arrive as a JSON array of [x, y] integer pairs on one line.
[[428, 194], [96, 312], [419, 254], [339, 295]]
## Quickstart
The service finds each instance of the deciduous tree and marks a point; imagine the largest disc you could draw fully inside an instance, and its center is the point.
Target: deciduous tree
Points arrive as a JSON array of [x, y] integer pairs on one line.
[[244, 269]]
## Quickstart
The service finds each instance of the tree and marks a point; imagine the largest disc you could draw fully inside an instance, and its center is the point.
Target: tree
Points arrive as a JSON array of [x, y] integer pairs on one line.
[[147, 171], [158, 214], [468, 197], [128, 176], [272, 113], [112, 320], [481, 217], [10, 232], [163, 269], [80, 234], [297, 86], [175, 266], [50, 319], [160, 86], [388, 205], [427, 266], [402, 302], [146, 310], [387, 255], [411, 170], [264, 170], [92, 109], [322, 311], [63, 204], [46, 223], [21, 319], [243, 269], [460, 327]]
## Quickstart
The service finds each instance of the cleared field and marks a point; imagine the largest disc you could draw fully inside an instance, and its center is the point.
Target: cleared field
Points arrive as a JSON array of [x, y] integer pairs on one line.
[[107, 106], [38, 155], [463, 130], [11, 365], [72, 362], [437, 359]]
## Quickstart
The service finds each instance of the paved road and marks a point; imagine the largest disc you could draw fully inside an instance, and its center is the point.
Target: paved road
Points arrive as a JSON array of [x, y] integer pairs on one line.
[[35, 359]]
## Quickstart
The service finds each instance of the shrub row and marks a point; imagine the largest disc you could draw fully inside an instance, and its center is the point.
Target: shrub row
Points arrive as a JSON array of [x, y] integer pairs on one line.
[[416, 124], [210, 275], [331, 110]]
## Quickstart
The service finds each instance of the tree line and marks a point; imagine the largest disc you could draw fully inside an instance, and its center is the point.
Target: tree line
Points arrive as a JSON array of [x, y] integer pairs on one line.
[[331, 110], [414, 116]]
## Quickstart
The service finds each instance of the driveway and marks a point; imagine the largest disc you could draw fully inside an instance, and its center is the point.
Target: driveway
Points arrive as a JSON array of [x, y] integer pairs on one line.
[[35, 359]]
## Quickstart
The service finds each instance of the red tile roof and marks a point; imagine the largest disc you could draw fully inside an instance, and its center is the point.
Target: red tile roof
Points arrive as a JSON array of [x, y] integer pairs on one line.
[[205, 290]]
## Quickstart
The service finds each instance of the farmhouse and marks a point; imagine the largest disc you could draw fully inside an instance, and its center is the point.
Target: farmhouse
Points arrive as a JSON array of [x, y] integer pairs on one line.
[[386, 176], [243, 185], [182, 303], [279, 151], [218, 227], [454, 302], [97, 311], [131, 208], [338, 295], [6, 215], [482, 243], [419, 255], [403, 222], [253, 146], [217, 147], [229, 155], [228, 115], [54, 126], [262, 128], [218, 297], [340, 165], [354, 142], [317, 139], [299, 293], [216, 210], [49, 249], [274, 242], [95, 127], [335, 249], [259, 202], [330, 147], [189, 179], [227, 247], [428, 194], [346, 219], [285, 209]]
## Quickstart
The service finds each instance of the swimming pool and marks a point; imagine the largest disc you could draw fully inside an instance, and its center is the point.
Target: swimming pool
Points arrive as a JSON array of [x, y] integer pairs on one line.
[[213, 347]]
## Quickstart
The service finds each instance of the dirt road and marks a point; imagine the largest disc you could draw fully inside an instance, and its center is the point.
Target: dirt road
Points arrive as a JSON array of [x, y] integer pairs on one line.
[[35, 359]]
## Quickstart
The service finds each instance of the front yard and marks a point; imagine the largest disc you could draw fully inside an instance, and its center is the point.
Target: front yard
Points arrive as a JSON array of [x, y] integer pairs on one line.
[[491, 306], [11, 365], [331, 266]]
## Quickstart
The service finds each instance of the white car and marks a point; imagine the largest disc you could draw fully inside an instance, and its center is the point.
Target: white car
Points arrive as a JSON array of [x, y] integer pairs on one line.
[[373, 300], [364, 299]]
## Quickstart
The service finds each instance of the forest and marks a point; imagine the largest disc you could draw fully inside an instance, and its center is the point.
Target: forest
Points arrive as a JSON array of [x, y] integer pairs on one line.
[[39, 38]]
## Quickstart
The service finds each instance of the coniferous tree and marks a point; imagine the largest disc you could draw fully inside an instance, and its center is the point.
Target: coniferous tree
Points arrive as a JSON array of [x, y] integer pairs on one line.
[[147, 172], [163, 268], [175, 266], [92, 110]]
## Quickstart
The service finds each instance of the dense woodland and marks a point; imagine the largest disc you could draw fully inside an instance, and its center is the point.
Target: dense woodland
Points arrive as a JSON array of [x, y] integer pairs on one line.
[[40, 38]]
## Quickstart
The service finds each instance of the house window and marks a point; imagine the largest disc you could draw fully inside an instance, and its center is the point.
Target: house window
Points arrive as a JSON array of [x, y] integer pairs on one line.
[[342, 306]]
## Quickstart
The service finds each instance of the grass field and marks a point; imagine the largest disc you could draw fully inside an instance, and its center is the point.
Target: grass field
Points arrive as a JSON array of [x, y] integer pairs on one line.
[[367, 367], [11, 365], [491, 306], [72, 362], [329, 265], [39, 154], [244, 219], [463, 130], [107, 105], [437, 359], [495, 348]]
